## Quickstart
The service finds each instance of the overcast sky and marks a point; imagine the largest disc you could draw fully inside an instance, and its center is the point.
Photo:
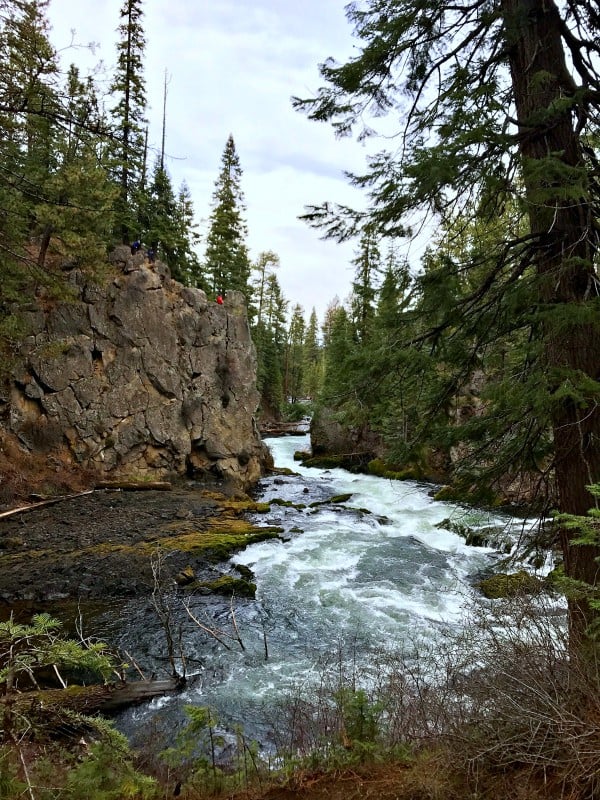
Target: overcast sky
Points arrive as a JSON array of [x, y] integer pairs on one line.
[[233, 66]]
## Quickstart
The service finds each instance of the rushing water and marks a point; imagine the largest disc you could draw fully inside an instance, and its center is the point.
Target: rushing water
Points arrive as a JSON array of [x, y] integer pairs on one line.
[[374, 571]]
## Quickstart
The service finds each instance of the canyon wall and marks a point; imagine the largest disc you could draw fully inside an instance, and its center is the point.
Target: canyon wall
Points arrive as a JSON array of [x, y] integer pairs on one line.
[[139, 376]]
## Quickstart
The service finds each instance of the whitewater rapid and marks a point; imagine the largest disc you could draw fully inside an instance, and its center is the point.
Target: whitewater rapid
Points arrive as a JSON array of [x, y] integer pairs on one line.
[[346, 579]]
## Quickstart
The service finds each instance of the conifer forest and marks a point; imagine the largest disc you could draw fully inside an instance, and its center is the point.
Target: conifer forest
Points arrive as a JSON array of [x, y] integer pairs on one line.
[[473, 368]]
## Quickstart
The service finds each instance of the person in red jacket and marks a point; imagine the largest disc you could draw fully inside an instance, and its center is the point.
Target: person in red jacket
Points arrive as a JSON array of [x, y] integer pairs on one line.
[[219, 300]]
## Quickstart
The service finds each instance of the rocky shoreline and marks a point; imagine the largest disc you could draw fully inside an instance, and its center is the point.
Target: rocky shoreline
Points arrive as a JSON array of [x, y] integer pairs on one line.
[[99, 545]]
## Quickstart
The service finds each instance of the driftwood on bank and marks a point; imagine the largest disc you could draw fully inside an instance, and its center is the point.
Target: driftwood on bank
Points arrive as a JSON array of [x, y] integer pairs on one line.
[[50, 502], [124, 485], [105, 698], [136, 486]]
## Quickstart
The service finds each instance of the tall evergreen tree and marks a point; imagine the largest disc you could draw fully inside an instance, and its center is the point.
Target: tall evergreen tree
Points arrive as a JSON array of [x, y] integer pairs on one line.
[[264, 265], [157, 214], [367, 262], [312, 358], [340, 347], [227, 264], [129, 113], [502, 100], [79, 197], [52, 171], [330, 312], [187, 267], [294, 355], [269, 336], [167, 223], [29, 108]]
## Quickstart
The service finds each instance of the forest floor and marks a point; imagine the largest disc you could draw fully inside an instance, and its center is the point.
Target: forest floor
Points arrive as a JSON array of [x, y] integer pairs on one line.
[[436, 773]]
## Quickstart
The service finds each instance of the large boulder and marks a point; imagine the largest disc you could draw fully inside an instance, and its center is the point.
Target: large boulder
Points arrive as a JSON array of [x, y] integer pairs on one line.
[[140, 376], [330, 437]]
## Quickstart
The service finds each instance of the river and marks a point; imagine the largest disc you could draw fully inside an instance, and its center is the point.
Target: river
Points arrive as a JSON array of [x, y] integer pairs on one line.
[[373, 573]]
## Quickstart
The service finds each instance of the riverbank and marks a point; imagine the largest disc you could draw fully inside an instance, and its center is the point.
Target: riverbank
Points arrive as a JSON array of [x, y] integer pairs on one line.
[[99, 545], [375, 562]]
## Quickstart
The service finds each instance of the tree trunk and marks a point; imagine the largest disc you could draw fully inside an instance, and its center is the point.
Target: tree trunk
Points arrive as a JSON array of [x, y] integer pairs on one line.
[[558, 195], [44, 244]]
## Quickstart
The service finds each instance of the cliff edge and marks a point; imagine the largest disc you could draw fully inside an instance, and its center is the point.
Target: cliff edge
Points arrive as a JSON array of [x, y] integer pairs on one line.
[[140, 377]]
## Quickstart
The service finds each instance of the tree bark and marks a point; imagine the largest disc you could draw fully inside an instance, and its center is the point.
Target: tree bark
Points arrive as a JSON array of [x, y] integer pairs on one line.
[[562, 218], [44, 244]]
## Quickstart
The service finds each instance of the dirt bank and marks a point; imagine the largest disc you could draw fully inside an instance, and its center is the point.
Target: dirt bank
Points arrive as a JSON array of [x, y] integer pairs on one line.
[[100, 545]]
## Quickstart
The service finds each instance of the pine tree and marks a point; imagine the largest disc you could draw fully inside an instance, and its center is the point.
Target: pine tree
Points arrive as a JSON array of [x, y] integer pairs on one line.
[[227, 264], [269, 337], [294, 355], [266, 332], [312, 359], [264, 265], [187, 267], [367, 262], [158, 212], [167, 224], [340, 348], [79, 197], [52, 158], [30, 106], [14, 216], [500, 106], [328, 318], [393, 374], [129, 114], [394, 295]]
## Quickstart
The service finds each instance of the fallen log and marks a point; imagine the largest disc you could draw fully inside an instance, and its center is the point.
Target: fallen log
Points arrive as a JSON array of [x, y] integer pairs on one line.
[[130, 694], [136, 486], [50, 502], [102, 698], [283, 428]]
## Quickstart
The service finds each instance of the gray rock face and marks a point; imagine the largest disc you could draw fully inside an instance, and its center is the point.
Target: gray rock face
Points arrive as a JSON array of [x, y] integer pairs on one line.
[[141, 377], [328, 436]]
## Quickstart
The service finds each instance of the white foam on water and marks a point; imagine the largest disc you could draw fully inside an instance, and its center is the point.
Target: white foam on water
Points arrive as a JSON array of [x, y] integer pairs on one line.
[[374, 569]]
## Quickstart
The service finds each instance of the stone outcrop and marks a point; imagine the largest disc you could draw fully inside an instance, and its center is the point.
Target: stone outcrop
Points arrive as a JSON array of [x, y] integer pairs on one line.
[[140, 377], [359, 447], [329, 436]]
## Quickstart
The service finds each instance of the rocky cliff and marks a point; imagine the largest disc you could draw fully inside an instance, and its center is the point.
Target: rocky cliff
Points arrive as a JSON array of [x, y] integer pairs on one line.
[[140, 377]]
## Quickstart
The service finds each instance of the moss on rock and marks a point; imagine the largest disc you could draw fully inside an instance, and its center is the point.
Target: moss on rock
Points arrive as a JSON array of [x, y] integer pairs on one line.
[[510, 585], [221, 541], [381, 469], [470, 495], [352, 463], [277, 501], [337, 498], [228, 585], [244, 571]]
